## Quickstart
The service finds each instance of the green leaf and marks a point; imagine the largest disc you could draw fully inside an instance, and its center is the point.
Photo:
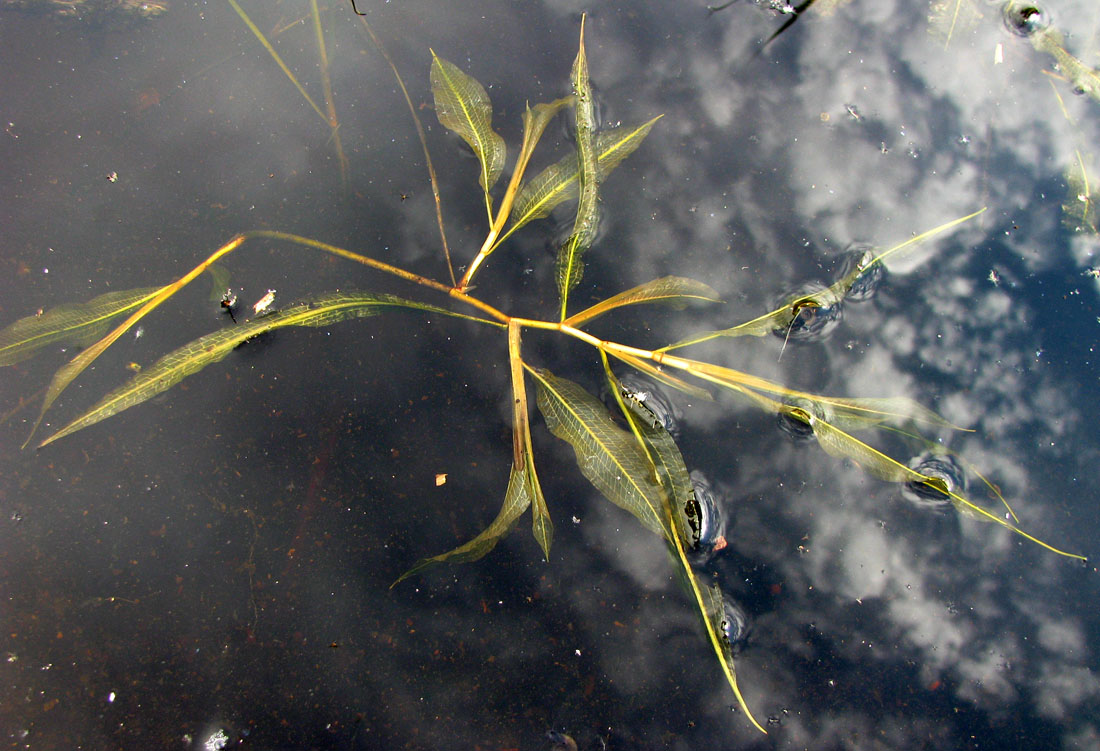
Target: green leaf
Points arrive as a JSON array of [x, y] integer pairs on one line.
[[516, 500], [678, 497], [463, 106], [558, 183], [607, 455], [78, 324], [586, 223], [677, 291], [784, 316], [193, 357]]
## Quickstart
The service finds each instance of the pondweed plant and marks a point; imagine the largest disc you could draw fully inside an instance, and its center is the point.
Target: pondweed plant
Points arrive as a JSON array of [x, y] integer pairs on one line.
[[625, 452]]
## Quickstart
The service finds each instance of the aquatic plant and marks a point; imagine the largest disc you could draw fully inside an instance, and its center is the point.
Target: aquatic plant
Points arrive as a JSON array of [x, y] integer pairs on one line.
[[626, 452]]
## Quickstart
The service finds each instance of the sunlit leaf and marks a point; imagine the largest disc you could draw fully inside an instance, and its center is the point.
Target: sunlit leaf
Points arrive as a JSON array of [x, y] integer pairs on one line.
[[463, 106], [558, 182], [208, 349], [836, 442], [516, 500], [606, 454], [676, 291], [663, 376], [667, 464], [77, 324], [714, 619]]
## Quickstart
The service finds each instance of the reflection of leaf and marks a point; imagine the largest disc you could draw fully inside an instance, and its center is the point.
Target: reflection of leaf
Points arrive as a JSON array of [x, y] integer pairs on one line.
[[675, 290], [558, 182], [463, 106], [516, 500], [196, 355], [950, 18], [79, 324]]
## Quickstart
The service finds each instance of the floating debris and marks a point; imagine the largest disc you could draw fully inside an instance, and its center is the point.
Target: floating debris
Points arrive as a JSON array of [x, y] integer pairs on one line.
[[263, 305], [229, 303]]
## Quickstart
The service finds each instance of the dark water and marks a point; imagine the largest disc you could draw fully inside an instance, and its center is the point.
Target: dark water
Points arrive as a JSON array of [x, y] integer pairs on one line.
[[212, 569]]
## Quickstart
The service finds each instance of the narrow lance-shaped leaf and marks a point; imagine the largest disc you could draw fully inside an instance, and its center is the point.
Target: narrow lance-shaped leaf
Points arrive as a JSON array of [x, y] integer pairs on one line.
[[586, 223], [463, 106], [678, 495], [676, 291], [78, 324], [208, 349], [68, 372], [836, 442], [558, 183], [534, 123], [863, 411], [784, 316], [516, 500]]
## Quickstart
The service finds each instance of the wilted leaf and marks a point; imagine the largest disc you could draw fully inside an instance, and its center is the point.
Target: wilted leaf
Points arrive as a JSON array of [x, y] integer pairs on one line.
[[674, 290], [193, 357], [78, 324], [463, 106]]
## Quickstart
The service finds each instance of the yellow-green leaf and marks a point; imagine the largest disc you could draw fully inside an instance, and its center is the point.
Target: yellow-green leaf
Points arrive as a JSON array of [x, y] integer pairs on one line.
[[78, 324], [516, 500], [607, 455], [196, 355], [558, 183], [586, 223], [674, 290], [463, 106]]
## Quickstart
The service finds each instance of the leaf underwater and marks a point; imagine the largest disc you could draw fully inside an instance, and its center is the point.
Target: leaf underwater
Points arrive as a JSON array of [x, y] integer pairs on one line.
[[785, 315], [606, 454], [196, 355], [674, 290], [623, 471], [559, 182], [462, 105], [837, 442], [78, 324], [516, 500], [587, 221]]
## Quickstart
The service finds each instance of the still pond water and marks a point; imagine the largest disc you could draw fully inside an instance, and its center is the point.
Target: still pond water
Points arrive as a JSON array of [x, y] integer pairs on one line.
[[212, 568]]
